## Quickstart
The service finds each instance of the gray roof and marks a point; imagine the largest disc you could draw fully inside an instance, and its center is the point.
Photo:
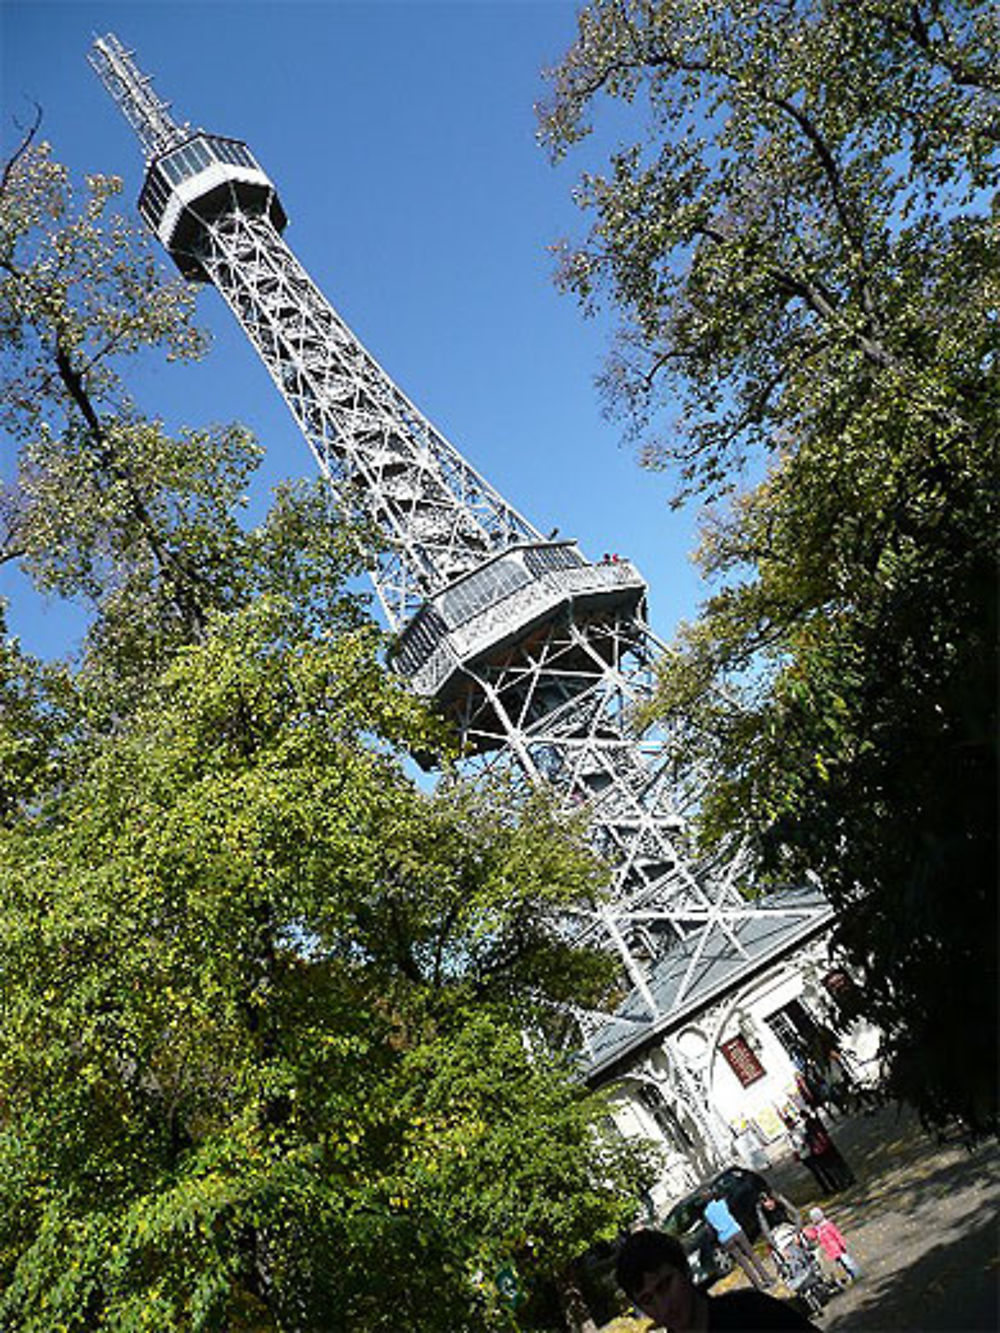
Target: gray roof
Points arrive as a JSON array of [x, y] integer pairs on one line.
[[778, 924]]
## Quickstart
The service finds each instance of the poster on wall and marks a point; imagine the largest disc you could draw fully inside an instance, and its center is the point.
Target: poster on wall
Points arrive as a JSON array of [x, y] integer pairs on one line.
[[742, 1060], [769, 1124]]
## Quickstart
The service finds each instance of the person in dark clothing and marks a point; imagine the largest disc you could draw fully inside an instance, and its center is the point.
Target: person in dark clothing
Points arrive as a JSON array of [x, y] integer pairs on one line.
[[825, 1154], [773, 1209], [652, 1270], [818, 1153], [801, 1148]]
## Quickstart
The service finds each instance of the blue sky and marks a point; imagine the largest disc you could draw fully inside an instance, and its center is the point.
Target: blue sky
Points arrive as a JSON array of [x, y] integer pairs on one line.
[[401, 139]]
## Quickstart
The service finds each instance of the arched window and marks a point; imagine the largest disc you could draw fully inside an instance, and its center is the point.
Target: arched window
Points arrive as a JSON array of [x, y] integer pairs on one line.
[[668, 1121]]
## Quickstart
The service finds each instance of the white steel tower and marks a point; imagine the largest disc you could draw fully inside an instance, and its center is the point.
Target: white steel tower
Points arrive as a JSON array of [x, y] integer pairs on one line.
[[537, 655]]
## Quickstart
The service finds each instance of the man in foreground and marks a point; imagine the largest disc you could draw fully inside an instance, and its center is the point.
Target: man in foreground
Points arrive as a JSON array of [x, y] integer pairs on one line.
[[652, 1270]]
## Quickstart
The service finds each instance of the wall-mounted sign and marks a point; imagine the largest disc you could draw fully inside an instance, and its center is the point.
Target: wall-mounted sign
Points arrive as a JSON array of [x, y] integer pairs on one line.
[[742, 1060]]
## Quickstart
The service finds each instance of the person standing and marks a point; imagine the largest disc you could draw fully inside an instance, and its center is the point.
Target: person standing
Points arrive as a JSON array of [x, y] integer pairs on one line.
[[733, 1240], [802, 1148], [830, 1239], [773, 1209], [825, 1154]]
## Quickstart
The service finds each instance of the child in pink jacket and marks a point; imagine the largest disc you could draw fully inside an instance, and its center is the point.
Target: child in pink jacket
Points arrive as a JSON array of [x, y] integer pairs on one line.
[[831, 1241]]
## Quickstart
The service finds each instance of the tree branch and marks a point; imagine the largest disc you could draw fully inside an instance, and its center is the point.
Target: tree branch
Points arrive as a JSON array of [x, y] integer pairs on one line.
[[963, 74], [178, 574], [21, 149]]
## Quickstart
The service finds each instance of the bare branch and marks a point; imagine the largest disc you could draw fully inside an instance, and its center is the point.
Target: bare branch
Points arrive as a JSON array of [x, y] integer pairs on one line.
[[21, 149]]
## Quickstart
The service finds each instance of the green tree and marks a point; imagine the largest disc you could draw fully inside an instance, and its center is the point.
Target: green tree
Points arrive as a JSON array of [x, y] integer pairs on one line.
[[803, 248], [263, 1002], [263, 999], [101, 503]]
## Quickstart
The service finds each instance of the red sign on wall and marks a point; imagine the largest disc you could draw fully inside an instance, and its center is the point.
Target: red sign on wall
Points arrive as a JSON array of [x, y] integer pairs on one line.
[[742, 1060]]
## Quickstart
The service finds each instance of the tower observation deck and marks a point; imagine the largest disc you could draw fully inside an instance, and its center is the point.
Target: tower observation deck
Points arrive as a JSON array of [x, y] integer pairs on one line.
[[539, 656]]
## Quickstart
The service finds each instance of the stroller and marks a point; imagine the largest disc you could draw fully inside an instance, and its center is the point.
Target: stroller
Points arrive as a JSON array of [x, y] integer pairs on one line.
[[799, 1268]]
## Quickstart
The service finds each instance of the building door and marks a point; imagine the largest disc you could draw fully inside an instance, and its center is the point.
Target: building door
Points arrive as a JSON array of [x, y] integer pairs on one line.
[[796, 1029]]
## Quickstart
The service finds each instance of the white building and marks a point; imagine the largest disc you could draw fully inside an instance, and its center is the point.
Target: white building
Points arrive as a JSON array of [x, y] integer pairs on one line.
[[731, 1050]]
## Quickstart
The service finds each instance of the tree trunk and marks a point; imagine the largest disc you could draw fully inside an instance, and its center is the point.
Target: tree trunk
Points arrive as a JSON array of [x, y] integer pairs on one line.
[[574, 1308]]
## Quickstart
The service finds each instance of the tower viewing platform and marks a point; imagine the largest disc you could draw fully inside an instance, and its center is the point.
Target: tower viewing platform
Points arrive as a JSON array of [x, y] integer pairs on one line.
[[192, 178], [499, 604], [541, 660], [187, 188]]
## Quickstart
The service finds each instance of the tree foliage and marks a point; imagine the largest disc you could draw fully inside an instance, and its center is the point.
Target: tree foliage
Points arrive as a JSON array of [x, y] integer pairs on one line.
[[80, 295], [263, 999], [261, 1047], [802, 244]]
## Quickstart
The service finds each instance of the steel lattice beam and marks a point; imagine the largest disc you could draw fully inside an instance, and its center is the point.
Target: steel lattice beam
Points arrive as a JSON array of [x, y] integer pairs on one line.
[[538, 656]]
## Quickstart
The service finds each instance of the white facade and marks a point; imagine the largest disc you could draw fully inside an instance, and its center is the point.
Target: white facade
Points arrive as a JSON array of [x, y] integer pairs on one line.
[[744, 1120]]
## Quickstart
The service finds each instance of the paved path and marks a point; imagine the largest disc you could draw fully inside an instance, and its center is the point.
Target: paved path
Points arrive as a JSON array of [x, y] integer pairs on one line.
[[924, 1221]]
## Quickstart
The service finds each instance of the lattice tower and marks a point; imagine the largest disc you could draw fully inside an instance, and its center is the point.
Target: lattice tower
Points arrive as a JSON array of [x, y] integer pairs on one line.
[[538, 655]]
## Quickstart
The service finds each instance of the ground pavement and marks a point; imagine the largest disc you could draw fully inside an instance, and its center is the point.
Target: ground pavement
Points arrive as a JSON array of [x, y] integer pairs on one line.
[[922, 1219]]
